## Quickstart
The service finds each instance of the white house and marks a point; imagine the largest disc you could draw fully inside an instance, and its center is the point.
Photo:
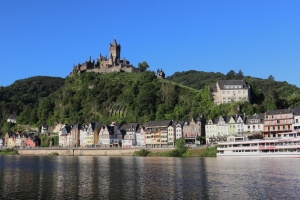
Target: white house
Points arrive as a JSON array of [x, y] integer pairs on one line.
[[179, 131], [12, 119], [254, 124], [63, 134], [211, 130], [83, 135], [140, 137], [130, 131], [110, 136]]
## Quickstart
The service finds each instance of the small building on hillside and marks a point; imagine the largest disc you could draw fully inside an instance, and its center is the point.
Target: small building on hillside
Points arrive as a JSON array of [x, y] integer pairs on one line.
[[12, 119], [226, 91]]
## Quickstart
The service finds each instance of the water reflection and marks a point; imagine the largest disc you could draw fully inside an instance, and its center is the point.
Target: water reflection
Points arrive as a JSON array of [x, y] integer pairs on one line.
[[35, 177]]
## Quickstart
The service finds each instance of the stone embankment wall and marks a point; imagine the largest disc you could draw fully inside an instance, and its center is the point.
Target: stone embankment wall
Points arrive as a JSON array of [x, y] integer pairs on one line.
[[84, 152]]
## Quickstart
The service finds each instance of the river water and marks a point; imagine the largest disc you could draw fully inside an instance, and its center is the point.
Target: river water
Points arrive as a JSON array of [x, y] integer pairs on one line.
[[69, 177]]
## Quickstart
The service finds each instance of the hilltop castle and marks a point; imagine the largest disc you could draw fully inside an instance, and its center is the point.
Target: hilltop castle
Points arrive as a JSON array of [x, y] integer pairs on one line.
[[106, 65]]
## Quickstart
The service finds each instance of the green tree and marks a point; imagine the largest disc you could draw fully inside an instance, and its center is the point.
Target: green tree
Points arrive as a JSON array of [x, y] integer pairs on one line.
[[180, 145], [240, 75], [271, 78], [143, 66], [230, 75]]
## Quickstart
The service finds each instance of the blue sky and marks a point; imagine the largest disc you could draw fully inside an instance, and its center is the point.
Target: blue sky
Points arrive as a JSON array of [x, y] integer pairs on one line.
[[261, 37]]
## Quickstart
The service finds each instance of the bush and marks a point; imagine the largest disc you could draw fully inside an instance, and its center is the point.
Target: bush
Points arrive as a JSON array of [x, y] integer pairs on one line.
[[209, 152], [142, 152], [9, 152], [180, 146], [174, 153]]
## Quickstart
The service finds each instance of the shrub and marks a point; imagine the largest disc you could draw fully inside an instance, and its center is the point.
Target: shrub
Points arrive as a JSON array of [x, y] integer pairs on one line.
[[142, 152], [180, 146]]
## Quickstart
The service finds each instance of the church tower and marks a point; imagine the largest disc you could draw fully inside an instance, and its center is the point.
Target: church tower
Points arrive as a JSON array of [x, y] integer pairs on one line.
[[114, 52]]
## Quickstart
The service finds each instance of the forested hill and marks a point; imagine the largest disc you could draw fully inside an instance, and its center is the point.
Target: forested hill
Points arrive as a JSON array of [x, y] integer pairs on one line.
[[22, 97], [267, 94], [133, 97], [121, 97]]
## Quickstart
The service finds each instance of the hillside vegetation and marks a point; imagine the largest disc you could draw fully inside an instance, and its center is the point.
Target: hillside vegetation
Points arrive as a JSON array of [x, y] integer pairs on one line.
[[133, 97], [121, 97], [22, 98]]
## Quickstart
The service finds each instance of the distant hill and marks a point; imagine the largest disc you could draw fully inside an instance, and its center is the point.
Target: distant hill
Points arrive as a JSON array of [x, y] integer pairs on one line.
[[268, 94]]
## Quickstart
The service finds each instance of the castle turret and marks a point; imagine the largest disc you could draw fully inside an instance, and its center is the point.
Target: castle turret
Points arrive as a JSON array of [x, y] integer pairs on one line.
[[115, 52], [160, 73]]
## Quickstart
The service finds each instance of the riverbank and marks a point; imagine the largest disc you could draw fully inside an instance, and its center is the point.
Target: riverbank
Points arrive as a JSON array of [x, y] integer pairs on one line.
[[84, 152], [199, 152], [8, 152], [155, 152]]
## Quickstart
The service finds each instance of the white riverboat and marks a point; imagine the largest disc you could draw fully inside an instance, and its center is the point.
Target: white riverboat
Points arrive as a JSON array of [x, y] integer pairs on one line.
[[285, 145]]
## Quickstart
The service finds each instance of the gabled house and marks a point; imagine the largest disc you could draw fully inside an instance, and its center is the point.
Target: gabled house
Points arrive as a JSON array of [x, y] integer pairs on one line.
[[110, 136], [171, 133], [178, 130], [231, 125], [130, 131], [33, 140], [211, 131], [240, 124], [157, 133], [222, 126], [21, 138], [254, 124], [92, 134], [75, 135], [140, 136], [192, 130], [83, 135], [12, 119], [44, 128], [63, 135], [10, 139]]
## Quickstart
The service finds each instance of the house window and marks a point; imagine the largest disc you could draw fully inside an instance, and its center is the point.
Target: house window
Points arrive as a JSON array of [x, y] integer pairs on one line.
[[228, 92], [223, 92], [296, 120]]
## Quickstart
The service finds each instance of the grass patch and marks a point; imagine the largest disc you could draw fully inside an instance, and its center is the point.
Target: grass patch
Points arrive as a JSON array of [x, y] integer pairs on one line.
[[208, 152], [9, 152], [142, 152]]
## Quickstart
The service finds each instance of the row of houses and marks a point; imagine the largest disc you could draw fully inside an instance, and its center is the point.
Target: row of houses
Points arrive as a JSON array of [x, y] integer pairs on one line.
[[165, 133], [153, 134], [268, 124], [20, 140]]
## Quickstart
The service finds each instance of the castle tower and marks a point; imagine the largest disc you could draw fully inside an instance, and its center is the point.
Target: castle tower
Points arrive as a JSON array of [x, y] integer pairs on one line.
[[160, 73], [114, 52]]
